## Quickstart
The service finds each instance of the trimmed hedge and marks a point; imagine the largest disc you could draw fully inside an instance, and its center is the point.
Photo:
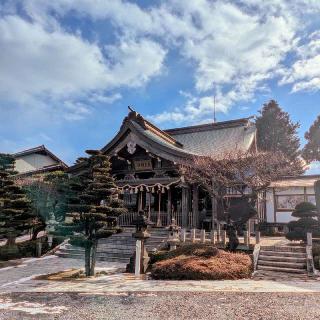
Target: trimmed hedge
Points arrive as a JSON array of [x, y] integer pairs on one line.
[[201, 262]]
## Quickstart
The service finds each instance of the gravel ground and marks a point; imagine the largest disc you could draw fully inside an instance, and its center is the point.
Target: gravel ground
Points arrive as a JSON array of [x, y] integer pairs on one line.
[[160, 305]]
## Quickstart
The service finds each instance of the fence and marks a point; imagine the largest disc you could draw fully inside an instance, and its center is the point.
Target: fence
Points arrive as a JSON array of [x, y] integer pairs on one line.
[[127, 219]]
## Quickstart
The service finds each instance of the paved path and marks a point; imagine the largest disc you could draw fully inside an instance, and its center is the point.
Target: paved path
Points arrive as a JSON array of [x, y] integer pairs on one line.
[[20, 279]]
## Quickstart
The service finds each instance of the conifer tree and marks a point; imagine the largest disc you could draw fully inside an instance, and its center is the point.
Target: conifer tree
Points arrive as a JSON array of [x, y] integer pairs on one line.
[[93, 207], [307, 222], [277, 133], [311, 151], [16, 215]]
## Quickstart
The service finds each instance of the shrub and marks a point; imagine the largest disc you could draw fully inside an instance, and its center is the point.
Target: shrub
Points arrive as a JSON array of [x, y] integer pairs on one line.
[[202, 262], [298, 229]]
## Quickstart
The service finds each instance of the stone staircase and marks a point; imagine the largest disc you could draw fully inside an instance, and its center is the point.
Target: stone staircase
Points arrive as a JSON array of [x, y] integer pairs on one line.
[[282, 259], [118, 248]]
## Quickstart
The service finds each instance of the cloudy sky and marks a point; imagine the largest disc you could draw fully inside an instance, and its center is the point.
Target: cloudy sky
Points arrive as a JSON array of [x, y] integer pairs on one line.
[[70, 68]]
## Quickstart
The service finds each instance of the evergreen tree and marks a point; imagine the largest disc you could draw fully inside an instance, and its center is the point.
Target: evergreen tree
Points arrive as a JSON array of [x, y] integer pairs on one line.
[[277, 133], [16, 215], [311, 151], [306, 212], [93, 207]]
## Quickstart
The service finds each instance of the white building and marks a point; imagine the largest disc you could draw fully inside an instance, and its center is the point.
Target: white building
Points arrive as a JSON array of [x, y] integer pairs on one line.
[[37, 160], [285, 194]]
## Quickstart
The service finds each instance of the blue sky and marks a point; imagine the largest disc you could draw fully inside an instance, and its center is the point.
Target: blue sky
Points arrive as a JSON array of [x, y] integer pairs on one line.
[[69, 69]]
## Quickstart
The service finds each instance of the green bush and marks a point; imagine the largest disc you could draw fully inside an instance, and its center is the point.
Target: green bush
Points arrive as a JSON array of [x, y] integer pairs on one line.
[[298, 229]]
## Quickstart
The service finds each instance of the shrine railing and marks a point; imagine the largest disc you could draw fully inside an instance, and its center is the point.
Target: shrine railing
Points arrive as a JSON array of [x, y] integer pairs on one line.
[[127, 219]]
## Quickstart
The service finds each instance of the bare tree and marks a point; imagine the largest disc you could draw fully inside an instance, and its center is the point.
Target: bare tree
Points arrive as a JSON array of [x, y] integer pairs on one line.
[[245, 173]]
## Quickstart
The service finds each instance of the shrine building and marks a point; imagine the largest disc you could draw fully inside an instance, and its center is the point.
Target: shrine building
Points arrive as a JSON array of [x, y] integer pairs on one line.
[[146, 160]]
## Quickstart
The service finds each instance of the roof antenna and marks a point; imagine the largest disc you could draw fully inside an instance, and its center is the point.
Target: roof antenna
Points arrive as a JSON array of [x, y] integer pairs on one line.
[[214, 109]]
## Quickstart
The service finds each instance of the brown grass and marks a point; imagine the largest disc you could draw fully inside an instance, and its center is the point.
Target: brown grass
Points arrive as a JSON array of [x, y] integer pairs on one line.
[[219, 266]]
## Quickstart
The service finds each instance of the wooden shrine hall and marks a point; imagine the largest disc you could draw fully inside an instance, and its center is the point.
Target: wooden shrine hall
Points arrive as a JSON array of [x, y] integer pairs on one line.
[[146, 161]]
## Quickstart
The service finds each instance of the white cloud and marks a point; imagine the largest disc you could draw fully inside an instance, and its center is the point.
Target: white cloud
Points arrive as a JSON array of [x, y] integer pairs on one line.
[[38, 64], [304, 74], [233, 47]]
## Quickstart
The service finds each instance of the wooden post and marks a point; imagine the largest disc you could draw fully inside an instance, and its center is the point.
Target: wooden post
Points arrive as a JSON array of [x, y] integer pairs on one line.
[[257, 237], [169, 213], [214, 211], [185, 206], [203, 236], [159, 211]]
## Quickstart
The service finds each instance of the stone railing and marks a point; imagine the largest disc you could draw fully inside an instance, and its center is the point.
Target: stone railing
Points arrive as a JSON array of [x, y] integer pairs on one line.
[[310, 263], [216, 237]]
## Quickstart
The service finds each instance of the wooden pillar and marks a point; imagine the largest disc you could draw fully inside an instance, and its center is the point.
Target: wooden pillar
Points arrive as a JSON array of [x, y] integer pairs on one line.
[[185, 206], [169, 206], [159, 211], [214, 205], [195, 205]]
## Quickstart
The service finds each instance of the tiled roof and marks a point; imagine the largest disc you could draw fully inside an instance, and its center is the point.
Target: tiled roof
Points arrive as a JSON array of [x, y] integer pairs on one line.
[[212, 138]]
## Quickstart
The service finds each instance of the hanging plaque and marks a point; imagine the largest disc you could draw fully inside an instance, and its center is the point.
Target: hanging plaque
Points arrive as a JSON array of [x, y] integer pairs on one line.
[[142, 165]]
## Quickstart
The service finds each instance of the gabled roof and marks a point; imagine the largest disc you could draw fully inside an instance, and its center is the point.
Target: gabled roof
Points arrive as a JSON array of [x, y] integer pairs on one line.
[[200, 140], [219, 137], [40, 150], [180, 143]]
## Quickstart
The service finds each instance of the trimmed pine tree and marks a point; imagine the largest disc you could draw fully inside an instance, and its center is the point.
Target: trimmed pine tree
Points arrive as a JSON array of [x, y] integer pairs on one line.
[[306, 212], [93, 207], [16, 215]]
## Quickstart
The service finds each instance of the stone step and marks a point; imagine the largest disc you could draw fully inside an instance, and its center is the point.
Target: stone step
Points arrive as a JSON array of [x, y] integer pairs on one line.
[[283, 254], [282, 270], [283, 248], [280, 264], [281, 258]]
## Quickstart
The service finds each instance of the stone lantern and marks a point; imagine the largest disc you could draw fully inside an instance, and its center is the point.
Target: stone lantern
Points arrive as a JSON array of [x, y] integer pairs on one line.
[[141, 235], [173, 235]]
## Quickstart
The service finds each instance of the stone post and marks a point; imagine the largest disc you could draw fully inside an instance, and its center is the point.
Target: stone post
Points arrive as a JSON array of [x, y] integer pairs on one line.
[[309, 239], [224, 237], [183, 235], [246, 238], [203, 236], [213, 235], [137, 265], [38, 247], [218, 232], [193, 235], [257, 237]]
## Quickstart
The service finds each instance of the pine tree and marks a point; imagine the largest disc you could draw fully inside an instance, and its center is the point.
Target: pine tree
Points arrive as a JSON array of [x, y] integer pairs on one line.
[[306, 212], [277, 133], [94, 207], [16, 215], [311, 151]]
